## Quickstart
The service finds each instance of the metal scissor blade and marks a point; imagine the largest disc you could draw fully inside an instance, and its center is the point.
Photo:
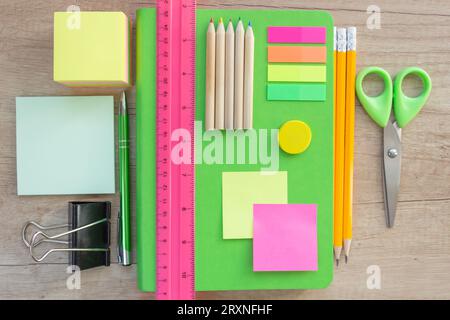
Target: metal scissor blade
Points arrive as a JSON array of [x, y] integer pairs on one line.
[[391, 169]]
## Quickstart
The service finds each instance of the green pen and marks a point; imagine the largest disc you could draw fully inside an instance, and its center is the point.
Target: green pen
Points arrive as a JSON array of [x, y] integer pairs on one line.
[[124, 228]]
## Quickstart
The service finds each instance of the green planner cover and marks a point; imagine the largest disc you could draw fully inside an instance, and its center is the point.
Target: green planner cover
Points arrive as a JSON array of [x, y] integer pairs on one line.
[[227, 264]]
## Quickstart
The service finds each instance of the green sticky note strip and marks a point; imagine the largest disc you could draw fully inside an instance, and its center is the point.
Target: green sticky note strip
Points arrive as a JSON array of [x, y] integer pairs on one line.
[[240, 190], [296, 91], [296, 73], [65, 145], [222, 264]]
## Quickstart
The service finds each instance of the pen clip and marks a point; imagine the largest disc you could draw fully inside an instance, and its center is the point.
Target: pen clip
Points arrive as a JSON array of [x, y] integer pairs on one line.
[[119, 238]]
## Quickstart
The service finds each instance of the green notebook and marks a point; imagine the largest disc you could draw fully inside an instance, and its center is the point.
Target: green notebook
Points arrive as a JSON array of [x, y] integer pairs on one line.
[[227, 264]]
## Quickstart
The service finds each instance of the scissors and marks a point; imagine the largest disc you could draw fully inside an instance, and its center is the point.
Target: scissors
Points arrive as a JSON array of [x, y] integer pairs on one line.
[[405, 109]]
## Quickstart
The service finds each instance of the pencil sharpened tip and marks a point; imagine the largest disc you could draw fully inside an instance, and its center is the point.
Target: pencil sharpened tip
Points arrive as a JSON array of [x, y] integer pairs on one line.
[[220, 20], [337, 262], [249, 23], [346, 259], [211, 20]]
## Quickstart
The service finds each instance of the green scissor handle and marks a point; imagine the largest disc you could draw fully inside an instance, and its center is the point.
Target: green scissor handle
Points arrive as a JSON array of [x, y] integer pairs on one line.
[[406, 108], [379, 107]]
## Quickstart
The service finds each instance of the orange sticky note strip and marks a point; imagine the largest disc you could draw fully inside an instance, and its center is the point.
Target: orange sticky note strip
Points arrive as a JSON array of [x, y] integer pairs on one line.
[[297, 54]]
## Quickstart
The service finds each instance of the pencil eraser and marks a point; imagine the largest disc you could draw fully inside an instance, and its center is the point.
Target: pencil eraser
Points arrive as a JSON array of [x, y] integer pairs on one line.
[[341, 39], [351, 39], [92, 49]]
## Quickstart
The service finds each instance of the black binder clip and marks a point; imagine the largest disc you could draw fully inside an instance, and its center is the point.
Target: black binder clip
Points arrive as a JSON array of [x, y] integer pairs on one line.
[[87, 238]]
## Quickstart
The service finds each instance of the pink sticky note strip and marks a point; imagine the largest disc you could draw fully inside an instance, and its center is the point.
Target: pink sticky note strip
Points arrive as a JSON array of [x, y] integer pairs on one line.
[[284, 237], [297, 35]]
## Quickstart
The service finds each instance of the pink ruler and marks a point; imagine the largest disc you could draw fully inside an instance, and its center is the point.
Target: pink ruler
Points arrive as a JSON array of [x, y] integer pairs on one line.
[[175, 182]]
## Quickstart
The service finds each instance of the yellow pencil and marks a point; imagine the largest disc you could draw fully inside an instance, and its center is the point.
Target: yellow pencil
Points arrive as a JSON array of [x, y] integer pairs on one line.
[[339, 141], [349, 139], [334, 96], [335, 64]]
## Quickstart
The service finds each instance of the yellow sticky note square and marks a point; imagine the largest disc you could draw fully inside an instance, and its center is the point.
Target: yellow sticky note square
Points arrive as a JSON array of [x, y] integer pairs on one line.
[[240, 191], [92, 49]]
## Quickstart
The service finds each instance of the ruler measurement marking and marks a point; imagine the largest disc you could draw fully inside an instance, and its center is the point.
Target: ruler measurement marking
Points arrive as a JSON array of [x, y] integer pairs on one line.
[[176, 109]]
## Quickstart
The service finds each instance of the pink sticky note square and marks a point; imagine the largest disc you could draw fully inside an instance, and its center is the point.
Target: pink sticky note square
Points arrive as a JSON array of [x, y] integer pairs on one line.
[[284, 237]]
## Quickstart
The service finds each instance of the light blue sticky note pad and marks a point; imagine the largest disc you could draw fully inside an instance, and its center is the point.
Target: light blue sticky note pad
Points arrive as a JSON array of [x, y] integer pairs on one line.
[[65, 145]]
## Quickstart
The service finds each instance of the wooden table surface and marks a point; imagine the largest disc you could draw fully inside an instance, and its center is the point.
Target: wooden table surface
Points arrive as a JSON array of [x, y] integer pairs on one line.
[[414, 257]]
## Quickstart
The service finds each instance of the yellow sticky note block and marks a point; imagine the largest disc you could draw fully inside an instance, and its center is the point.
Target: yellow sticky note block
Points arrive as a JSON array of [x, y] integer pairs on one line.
[[294, 137], [92, 49], [296, 73], [240, 191]]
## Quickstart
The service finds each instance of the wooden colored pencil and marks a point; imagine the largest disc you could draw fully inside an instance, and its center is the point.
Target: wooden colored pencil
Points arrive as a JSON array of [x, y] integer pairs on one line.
[[229, 77], [248, 77], [210, 76], [239, 76], [220, 76], [349, 139], [340, 137]]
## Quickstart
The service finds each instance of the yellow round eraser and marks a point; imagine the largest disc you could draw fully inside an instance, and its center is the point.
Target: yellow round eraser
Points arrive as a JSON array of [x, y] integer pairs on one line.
[[294, 137]]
